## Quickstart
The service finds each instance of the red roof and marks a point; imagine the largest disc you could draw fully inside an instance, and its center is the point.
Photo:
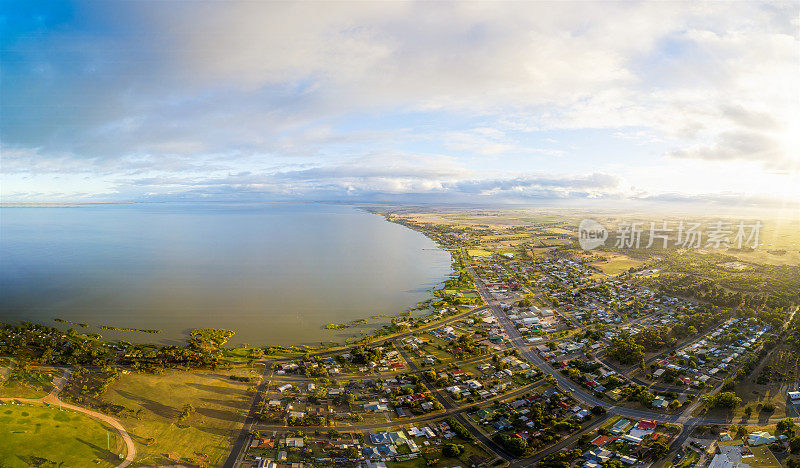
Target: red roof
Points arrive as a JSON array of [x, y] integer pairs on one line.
[[646, 425], [602, 440]]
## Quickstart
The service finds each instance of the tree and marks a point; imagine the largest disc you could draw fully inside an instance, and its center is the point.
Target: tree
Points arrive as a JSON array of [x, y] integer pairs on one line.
[[452, 450], [741, 432], [794, 444], [785, 425], [727, 400], [658, 450], [351, 453], [625, 350], [516, 445], [645, 397], [598, 410], [721, 400]]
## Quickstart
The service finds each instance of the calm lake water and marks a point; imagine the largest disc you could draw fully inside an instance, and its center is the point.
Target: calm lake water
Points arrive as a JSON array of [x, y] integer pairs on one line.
[[274, 273]]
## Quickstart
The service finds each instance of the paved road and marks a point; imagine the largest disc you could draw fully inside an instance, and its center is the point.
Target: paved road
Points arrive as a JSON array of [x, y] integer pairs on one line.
[[52, 399], [243, 439], [651, 385], [561, 445], [518, 342], [384, 375], [459, 416], [684, 420], [413, 419]]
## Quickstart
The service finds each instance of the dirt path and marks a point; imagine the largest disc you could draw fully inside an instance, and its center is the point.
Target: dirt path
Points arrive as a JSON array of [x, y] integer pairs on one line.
[[52, 399]]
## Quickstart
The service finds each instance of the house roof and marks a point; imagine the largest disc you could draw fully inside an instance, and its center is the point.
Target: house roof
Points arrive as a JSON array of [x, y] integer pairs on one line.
[[646, 425], [602, 440]]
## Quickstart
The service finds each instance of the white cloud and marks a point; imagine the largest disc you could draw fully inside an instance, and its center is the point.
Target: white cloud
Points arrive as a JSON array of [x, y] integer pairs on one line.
[[193, 91]]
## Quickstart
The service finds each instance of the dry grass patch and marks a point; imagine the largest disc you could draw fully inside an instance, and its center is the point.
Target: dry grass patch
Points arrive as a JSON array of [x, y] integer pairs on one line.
[[162, 435]]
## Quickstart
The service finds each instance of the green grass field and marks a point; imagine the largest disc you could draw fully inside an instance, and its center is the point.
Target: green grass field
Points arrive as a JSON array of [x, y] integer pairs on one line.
[[616, 263], [32, 435], [160, 437]]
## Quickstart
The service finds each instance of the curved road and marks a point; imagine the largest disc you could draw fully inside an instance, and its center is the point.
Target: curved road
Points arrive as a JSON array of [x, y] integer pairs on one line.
[[52, 399], [685, 420]]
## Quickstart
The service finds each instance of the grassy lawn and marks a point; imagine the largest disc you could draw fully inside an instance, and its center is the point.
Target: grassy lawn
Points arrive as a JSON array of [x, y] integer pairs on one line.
[[478, 253], [433, 349], [611, 421], [16, 389], [432, 456], [616, 264], [64, 438], [372, 417], [161, 438]]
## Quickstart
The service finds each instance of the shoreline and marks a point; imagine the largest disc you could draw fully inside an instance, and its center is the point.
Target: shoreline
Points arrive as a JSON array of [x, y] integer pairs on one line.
[[346, 333]]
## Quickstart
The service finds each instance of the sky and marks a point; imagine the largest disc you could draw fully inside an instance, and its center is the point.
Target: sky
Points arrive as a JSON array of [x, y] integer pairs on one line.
[[438, 102]]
